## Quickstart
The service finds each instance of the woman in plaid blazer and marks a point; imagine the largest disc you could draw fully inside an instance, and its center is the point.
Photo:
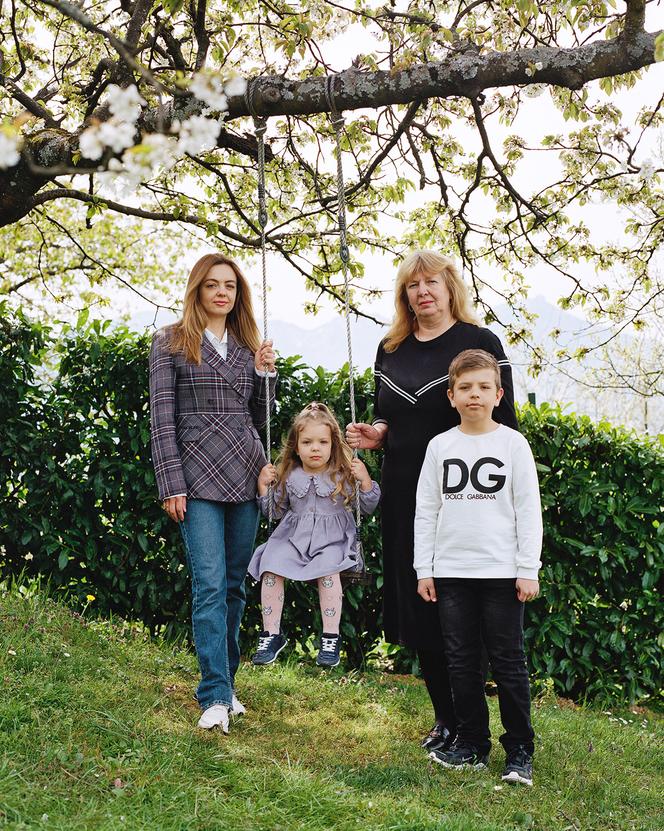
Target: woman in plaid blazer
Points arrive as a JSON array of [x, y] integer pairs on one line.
[[209, 380]]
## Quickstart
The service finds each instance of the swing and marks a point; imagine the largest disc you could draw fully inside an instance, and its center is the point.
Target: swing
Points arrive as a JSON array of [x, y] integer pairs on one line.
[[358, 574]]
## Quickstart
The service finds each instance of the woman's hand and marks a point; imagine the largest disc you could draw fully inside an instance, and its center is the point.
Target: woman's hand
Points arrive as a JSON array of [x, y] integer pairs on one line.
[[426, 589], [266, 477], [526, 589], [265, 357], [175, 507], [360, 472], [366, 436]]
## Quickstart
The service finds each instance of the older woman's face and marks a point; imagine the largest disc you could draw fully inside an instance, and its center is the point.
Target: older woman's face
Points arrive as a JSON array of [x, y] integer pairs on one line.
[[428, 296]]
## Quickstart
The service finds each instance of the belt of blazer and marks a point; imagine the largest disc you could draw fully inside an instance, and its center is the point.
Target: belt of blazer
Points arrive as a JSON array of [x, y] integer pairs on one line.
[[203, 421]]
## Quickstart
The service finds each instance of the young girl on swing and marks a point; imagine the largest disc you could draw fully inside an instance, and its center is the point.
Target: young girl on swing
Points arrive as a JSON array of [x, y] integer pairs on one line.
[[313, 494]]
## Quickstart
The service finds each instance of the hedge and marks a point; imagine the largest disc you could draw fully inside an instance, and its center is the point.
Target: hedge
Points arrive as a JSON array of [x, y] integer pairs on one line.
[[78, 504]]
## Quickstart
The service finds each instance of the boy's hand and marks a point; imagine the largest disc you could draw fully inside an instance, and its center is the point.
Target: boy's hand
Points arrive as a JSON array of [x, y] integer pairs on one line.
[[360, 472], [426, 589], [266, 477], [526, 589]]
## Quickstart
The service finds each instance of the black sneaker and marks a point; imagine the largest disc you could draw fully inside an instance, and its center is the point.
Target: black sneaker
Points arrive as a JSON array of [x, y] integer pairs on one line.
[[328, 654], [438, 738], [269, 647], [460, 756], [518, 767]]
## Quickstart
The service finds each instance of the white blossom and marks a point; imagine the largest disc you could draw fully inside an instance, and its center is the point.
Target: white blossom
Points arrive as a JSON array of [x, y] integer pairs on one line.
[[117, 134], [113, 133], [10, 143], [198, 133], [534, 90], [155, 151], [125, 104], [647, 171], [539, 66], [530, 71], [90, 143], [236, 86], [210, 89]]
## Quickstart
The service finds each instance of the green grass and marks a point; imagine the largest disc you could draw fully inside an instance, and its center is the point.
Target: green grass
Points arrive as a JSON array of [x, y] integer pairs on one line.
[[97, 732]]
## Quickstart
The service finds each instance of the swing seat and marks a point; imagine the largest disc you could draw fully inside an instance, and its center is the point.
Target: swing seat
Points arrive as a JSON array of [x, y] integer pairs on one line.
[[358, 575]]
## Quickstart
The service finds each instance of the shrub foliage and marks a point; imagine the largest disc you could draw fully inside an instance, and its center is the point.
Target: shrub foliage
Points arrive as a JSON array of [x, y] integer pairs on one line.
[[78, 504]]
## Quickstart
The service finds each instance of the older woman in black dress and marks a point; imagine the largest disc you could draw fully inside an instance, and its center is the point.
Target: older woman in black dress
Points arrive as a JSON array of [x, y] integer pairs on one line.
[[434, 321]]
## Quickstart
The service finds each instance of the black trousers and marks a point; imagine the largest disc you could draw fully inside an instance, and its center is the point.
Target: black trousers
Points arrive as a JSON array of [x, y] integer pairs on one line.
[[433, 666], [472, 612]]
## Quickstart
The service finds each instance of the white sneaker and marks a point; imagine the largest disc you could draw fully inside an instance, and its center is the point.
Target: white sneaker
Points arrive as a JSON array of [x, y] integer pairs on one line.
[[215, 716], [237, 707]]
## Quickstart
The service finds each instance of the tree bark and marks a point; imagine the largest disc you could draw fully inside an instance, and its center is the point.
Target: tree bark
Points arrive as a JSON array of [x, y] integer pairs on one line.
[[464, 74]]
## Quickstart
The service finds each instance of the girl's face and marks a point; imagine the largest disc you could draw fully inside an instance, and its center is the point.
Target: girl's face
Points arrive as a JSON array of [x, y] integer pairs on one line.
[[314, 447], [218, 292]]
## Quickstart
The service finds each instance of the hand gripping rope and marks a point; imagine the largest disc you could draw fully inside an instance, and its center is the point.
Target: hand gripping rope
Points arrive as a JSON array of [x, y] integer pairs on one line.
[[260, 127], [359, 574]]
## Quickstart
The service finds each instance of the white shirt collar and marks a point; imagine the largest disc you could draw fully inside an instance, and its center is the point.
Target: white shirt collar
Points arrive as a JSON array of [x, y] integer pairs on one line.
[[215, 339]]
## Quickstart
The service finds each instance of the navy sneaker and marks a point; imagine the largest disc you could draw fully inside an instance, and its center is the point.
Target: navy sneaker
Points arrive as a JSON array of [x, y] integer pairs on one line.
[[518, 767], [328, 654], [459, 756], [438, 738], [269, 647]]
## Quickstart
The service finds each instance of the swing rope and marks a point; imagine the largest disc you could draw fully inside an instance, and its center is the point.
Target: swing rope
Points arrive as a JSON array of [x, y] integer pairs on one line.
[[337, 120], [260, 128]]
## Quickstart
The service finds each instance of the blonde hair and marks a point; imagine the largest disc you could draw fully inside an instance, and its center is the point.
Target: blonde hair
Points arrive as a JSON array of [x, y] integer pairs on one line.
[[426, 262], [338, 468], [186, 335], [471, 359]]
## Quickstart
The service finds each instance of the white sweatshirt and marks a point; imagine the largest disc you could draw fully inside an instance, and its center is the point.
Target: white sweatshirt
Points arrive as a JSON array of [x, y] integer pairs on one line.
[[478, 508]]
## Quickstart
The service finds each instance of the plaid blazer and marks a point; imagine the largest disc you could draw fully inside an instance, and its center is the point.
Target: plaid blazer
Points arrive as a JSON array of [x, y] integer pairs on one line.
[[203, 421]]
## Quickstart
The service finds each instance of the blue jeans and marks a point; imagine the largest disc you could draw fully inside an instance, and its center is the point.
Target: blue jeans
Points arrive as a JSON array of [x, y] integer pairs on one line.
[[479, 610], [219, 541]]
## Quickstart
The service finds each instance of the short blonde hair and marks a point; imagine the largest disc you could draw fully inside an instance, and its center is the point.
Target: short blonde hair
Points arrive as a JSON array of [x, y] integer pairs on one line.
[[426, 262], [471, 359]]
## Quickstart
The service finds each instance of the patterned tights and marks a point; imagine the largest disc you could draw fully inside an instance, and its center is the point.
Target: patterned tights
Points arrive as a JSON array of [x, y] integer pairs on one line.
[[330, 597]]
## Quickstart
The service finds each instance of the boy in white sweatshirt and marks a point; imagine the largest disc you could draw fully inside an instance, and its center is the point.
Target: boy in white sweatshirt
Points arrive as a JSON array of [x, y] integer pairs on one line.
[[478, 539]]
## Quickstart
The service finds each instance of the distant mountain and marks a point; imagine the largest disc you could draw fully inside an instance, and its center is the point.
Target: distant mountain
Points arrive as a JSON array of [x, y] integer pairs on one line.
[[326, 346]]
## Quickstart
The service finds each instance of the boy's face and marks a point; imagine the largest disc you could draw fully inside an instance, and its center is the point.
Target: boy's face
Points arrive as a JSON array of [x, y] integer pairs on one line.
[[475, 394]]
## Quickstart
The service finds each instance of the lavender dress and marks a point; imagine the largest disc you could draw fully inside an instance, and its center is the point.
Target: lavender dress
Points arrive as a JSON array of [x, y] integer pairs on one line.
[[317, 534]]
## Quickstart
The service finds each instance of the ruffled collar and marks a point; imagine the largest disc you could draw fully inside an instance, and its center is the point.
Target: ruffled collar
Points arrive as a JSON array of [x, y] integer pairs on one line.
[[299, 482]]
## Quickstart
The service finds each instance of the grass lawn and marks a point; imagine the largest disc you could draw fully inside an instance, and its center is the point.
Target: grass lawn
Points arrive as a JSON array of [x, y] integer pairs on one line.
[[97, 732]]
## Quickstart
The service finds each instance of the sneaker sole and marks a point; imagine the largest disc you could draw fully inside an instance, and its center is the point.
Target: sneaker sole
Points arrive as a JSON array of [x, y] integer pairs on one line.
[[328, 666], [213, 727], [272, 660], [514, 778], [478, 766]]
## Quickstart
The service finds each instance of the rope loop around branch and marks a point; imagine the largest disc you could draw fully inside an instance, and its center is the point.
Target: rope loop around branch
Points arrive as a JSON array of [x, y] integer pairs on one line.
[[260, 128]]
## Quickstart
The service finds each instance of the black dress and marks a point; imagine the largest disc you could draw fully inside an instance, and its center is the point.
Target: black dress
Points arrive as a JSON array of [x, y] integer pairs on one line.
[[411, 396]]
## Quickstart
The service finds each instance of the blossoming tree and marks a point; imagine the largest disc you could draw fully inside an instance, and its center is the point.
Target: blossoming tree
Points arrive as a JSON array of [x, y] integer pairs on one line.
[[123, 118]]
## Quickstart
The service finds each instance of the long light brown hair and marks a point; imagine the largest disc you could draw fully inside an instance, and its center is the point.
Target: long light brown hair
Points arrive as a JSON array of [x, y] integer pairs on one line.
[[186, 335], [426, 263], [338, 468]]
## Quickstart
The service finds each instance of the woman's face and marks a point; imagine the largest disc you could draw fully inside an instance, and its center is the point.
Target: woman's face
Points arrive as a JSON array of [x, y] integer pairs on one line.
[[428, 297], [218, 291]]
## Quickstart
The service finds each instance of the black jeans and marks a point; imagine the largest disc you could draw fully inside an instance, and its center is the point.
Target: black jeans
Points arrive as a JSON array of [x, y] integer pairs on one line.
[[473, 611]]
